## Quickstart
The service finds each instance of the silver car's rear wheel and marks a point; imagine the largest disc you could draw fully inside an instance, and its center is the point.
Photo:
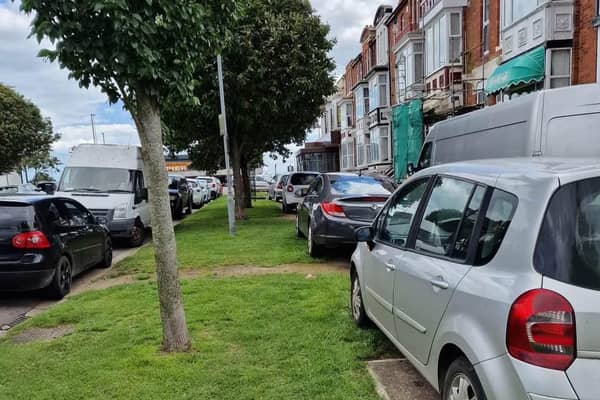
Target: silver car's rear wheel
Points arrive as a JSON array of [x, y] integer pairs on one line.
[[461, 382], [461, 388], [357, 307]]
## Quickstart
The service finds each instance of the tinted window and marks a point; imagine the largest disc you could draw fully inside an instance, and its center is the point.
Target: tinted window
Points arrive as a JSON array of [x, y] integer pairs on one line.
[[463, 238], [97, 179], [284, 179], [400, 213], [316, 187], [173, 182], [356, 185], [302, 179], [497, 219], [568, 247], [15, 218], [425, 159], [73, 214], [443, 215]]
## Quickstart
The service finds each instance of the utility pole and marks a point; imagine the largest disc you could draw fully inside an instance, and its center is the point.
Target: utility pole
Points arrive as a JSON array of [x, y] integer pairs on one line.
[[103, 138], [93, 127], [223, 127]]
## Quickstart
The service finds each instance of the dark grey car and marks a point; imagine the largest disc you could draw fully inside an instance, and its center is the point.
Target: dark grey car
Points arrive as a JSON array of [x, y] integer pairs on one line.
[[335, 205]]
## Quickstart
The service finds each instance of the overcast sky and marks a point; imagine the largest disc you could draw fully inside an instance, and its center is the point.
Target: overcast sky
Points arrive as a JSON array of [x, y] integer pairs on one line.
[[70, 107]]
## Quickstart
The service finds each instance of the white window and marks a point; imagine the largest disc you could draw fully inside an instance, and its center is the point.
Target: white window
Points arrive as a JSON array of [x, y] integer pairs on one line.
[[514, 10], [560, 68], [348, 155], [362, 102], [360, 150], [382, 81], [429, 54], [443, 38], [401, 76], [485, 31], [383, 144], [366, 99], [455, 38], [373, 95], [349, 119]]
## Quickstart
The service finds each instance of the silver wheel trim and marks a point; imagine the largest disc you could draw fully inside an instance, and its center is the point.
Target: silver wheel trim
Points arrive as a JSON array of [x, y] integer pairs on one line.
[[356, 299], [461, 388], [309, 239]]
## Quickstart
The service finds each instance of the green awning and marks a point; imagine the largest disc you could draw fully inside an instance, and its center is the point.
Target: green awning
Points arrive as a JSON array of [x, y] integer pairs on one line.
[[526, 68]]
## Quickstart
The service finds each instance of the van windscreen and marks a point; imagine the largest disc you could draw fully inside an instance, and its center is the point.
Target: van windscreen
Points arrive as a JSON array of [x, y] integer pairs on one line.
[[568, 247], [93, 179]]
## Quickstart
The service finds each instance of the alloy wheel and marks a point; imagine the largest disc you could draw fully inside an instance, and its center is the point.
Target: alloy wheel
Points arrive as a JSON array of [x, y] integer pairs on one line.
[[356, 299], [461, 388], [65, 276], [310, 240]]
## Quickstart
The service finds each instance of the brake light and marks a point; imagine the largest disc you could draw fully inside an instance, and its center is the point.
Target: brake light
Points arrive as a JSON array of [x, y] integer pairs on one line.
[[333, 209], [280, 185], [213, 185], [30, 241], [290, 188], [541, 330]]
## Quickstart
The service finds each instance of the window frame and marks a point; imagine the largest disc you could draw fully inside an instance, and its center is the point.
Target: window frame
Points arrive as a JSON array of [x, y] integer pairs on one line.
[[485, 27], [549, 67]]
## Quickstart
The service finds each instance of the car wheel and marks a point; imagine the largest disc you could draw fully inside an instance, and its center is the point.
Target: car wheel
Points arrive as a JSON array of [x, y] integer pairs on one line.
[[299, 233], [359, 315], [63, 278], [461, 382], [137, 235], [314, 250], [178, 211], [188, 209], [108, 255], [284, 208]]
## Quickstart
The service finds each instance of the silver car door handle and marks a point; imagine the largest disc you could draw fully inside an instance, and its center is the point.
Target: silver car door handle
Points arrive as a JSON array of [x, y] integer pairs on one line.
[[440, 283], [390, 267]]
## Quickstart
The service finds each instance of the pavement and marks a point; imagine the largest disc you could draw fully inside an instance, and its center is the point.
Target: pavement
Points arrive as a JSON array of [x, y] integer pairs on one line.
[[396, 379]]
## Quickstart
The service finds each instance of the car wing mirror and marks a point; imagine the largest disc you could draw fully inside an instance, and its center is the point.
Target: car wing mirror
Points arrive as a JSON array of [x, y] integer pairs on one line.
[[410, 168], [366, 234]]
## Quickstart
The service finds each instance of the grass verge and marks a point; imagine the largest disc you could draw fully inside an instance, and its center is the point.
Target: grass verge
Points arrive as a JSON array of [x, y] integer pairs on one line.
[[269, 337], [266, 239]]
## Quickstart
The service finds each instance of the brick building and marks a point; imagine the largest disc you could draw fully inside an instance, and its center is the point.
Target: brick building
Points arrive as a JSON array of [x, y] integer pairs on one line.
[[586, 43]]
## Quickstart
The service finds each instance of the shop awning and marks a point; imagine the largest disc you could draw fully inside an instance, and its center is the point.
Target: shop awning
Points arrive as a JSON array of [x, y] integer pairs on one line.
[[526, 68]]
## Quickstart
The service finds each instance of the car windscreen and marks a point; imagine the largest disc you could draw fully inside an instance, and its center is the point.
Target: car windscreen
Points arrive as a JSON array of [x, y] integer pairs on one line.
[[15, 218], [356, 185], [568, 247], [93, 179], [302, 179]]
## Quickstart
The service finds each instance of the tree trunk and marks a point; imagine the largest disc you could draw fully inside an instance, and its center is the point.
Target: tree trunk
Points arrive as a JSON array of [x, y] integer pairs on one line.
[[172, 314], [236, 157], [247, 185]]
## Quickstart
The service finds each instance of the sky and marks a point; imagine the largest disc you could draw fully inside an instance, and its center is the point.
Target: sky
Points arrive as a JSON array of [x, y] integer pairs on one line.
[[70, 106]]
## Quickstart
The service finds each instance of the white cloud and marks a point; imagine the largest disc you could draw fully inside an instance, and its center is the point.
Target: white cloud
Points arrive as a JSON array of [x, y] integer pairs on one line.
[[113, 134]]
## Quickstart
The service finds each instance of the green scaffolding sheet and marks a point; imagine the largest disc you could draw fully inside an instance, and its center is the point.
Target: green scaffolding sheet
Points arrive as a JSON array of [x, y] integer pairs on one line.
[[407, 131]]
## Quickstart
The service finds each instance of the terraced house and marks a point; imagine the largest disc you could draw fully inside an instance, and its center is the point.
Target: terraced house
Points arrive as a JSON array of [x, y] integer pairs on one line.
[[423, 61]]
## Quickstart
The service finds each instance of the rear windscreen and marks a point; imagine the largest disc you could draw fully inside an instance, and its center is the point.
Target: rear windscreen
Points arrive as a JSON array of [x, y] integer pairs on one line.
[[356, 185], [568, 247], [15, 218], [302, 179]]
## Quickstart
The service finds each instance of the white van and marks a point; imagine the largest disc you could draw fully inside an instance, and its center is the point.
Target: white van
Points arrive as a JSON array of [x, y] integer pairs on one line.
[[551, 123], [109, 181]]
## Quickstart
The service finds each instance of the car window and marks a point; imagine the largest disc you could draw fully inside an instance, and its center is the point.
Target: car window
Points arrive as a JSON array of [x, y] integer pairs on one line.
[[497, 219], [443, 215], [465, 232], [426, 154], [284, 179], [302, 179], [316, 187], [568, 247], [71, 214], [356, 185], [398, 217], [15, 218]]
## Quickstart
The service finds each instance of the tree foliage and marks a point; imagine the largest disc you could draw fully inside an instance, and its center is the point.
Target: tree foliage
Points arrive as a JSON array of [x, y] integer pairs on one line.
[[26, 137], [277, 73]]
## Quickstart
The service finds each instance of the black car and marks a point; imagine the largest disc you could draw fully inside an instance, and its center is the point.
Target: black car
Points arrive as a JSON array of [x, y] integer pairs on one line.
[[335, 205], [46, 241], [180, 194]]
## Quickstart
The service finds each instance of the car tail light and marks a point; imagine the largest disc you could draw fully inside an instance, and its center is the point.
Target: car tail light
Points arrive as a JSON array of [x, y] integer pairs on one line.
[[280, 185], [30, 241], [213, 185], [333, 209], [541, 330], [290, 188]]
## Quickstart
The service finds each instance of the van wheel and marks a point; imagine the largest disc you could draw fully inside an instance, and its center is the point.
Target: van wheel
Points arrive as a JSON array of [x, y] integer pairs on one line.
[[461, 382], [63, 278], [138, 235], [108, 255]]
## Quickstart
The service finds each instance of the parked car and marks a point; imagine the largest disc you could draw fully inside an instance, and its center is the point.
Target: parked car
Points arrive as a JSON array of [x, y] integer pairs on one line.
[[205, 190], [199, 193], [181, 196], [335, 205], [259, 183], [276, 188], [214, 185], [26, 188], [292, 195], [46, 241], [109, 181], [485, 275], [530, 126]]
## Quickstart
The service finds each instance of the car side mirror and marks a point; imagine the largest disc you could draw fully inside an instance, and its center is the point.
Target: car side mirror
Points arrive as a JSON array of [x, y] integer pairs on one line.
[[411, 169], [366, 234]]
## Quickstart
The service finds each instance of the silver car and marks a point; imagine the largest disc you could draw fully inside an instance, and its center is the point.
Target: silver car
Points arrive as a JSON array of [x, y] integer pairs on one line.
[[486, 275]]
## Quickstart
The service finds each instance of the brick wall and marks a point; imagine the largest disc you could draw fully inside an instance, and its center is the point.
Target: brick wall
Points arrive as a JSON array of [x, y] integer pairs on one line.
[[585, 46]]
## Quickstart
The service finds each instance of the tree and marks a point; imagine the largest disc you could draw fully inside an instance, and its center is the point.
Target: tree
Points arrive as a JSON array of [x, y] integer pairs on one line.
[[42, 176], [26, 137], [277, 74], [140, 52]]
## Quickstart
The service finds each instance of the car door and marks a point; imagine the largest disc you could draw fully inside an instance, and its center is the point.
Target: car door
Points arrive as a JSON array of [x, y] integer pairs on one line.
[[141, 199], [307, 205], [71, 234], [429, 272], [93, 236], [392, 232]]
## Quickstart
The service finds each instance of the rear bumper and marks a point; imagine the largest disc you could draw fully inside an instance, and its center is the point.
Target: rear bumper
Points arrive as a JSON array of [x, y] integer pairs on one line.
[[331, 232], [33, 271], [121, 228], [584, 375]]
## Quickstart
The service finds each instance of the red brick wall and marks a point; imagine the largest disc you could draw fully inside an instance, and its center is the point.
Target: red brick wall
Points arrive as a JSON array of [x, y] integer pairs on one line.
[[585, 46]]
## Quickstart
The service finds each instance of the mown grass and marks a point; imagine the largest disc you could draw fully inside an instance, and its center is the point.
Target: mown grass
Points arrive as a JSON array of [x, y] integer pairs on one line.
[[270, 337], [266, 239]]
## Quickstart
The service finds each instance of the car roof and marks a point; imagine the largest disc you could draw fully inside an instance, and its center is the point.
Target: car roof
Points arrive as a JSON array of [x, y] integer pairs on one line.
[[520, 171]]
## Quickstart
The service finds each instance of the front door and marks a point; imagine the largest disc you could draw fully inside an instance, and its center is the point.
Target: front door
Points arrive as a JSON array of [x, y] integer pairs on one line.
[[393, 227], [430, 272]]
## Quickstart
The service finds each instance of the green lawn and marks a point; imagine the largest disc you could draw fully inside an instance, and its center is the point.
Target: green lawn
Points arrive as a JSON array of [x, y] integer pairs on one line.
[[266, 239], [270, 337]]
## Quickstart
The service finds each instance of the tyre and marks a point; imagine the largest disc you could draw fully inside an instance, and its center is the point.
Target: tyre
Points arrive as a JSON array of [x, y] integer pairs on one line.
[[357, 306], [314, 250], [178, 211], [108, 255], [189, 207], [63, 278], [299, 233], [137, 235], [461, 382], [285, 208]]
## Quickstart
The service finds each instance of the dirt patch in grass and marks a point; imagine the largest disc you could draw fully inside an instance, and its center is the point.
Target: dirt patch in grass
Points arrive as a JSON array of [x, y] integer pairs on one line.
[[43, 334], [289, 217], [307, 269]]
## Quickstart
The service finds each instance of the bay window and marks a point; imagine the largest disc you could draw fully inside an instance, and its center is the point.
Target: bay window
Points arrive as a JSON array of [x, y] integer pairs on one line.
[[560, 68], [373, 97], [514, 10], [383, 90], [443, 39], [349, 119], [360, 150], [379, 145], [348, 155], [361, 96]]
